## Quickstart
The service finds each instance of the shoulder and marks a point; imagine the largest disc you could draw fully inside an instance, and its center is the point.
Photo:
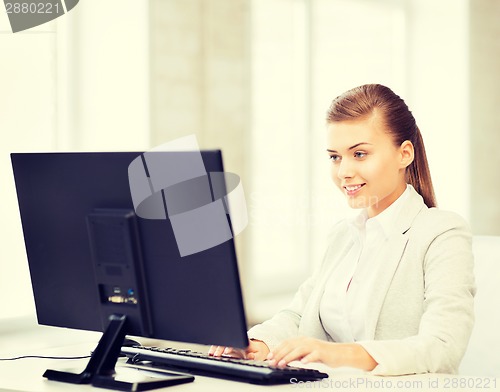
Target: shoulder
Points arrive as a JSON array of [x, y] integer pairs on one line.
[[437, 232], [435, 220]]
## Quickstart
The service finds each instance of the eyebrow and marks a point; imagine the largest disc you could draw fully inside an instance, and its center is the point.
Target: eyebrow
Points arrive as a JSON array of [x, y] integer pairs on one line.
[[352, 147]]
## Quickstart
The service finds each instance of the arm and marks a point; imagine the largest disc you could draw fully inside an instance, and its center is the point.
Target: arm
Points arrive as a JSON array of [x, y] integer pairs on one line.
[[448, 314], [314, 350], [445, 324]]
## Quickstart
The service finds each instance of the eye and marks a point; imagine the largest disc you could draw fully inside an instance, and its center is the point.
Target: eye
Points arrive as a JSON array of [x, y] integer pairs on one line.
[[360, 154], [335, 158]]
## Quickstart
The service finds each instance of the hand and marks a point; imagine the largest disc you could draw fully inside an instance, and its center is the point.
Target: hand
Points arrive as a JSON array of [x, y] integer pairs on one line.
[[301, 348], [256, 350], [314, 350]]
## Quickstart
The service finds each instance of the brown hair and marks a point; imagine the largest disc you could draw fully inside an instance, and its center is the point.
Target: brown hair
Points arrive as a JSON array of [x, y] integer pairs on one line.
[[364, 100]]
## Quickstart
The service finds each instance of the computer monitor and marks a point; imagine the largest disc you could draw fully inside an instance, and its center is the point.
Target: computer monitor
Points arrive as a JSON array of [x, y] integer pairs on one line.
[[92, 259]]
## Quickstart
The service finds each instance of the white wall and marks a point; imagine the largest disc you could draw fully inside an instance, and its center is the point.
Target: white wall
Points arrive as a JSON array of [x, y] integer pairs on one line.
[[104, 60], [484, 124], [438, 93], [28, 119]]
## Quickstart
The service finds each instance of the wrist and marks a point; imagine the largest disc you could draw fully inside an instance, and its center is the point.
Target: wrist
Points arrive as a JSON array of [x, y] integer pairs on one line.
[[260, 343], [356, 356]]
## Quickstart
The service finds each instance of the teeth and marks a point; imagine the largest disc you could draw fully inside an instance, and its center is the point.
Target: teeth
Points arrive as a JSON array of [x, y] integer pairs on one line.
[[351, 188]]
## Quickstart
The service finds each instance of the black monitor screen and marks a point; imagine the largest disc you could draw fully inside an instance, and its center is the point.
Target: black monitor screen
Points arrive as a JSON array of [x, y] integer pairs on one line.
[[90, 255]]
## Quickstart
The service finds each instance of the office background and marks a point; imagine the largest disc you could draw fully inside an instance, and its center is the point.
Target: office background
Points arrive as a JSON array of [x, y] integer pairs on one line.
[[254, 78]]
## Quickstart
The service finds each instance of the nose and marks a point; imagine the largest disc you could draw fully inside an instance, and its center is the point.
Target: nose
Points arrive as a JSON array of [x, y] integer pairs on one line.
[[345, 169]]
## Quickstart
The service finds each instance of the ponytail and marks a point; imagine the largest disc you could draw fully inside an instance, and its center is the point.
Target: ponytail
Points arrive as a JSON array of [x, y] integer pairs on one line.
[[418, 174]]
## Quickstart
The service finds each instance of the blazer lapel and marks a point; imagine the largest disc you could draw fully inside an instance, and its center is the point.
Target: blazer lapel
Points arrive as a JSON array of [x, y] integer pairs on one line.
[[391, 256]]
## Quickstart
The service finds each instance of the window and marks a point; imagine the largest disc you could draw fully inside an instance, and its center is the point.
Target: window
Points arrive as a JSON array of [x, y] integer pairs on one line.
[[28, 122], [67, 85]]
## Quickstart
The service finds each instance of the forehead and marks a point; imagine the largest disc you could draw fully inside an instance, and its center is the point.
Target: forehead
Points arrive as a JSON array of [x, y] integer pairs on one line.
[[344, 134]]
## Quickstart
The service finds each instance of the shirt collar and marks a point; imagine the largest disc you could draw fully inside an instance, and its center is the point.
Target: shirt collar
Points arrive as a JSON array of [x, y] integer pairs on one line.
[[385, 220]]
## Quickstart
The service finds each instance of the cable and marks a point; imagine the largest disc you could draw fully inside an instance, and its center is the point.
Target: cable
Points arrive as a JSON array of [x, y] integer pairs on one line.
[[41, 357]]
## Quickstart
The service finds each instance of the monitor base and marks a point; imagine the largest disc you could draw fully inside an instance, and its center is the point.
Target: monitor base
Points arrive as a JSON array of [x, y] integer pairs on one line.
[[100, 370]]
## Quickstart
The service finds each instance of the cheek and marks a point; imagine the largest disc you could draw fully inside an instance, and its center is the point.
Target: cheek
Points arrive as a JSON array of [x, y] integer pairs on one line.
[[374, 172], [382, 173]]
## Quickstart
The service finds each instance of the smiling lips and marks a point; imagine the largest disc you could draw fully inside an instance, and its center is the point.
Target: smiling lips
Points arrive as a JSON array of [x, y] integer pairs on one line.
[[351, 190]]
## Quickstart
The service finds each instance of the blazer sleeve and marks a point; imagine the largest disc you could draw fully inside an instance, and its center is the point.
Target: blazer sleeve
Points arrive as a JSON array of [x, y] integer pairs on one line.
[[448, 314]]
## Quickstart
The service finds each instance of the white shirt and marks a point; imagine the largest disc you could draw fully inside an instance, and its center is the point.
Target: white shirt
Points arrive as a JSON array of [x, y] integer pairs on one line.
[[346, 298]]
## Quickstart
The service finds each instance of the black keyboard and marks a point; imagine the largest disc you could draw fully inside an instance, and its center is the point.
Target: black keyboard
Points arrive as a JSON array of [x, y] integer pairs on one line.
[[187, 361]]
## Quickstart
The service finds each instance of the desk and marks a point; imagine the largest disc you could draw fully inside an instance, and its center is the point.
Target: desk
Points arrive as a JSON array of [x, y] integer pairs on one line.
[[26, 374]]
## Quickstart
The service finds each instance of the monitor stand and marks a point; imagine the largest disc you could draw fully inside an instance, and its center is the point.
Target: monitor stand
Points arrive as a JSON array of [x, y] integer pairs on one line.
[[100, 370]]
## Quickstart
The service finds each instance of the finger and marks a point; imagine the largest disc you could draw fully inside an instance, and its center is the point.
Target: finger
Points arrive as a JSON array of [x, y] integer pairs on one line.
[[259, 350], [311, 357], [295, 354], [271, 357], [234, 353], [258, 355], [213, 349], [218, 351], [280, 351]]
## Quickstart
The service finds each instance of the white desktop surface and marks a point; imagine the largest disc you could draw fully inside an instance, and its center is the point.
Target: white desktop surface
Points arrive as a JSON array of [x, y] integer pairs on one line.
[[26, 374]]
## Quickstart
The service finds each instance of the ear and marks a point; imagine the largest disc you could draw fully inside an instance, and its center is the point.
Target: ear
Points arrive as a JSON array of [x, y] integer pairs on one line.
[[407, 154]]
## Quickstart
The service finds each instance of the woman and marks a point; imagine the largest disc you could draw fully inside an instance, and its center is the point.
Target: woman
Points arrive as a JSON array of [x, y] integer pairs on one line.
[[394, 294]]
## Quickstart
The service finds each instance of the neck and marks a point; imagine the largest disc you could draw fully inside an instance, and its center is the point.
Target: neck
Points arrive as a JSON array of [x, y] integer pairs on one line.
[[387, 201]]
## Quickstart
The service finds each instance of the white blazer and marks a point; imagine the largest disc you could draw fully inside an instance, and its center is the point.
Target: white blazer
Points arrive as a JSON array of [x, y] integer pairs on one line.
[[422, 311]]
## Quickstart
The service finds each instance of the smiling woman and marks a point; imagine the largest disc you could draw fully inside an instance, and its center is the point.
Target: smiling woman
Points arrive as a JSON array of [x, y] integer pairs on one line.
[[370, 173], [375, 114], [394, 294]]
